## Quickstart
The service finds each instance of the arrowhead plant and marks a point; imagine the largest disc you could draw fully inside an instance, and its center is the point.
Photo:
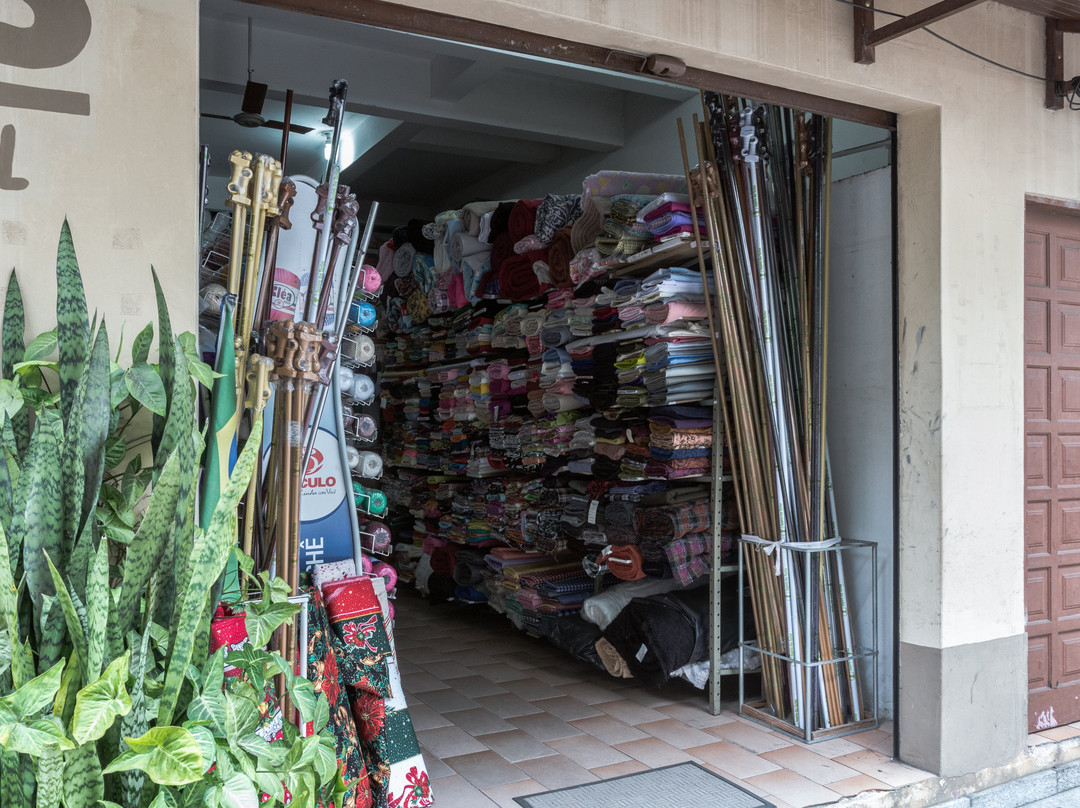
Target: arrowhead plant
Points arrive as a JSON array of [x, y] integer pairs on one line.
[[106, 584]]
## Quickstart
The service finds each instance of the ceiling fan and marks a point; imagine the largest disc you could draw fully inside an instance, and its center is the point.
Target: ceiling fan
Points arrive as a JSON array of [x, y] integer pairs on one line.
[[250, 114]]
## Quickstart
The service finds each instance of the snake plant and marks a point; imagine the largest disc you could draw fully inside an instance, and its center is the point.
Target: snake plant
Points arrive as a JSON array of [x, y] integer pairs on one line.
[[108, 694]]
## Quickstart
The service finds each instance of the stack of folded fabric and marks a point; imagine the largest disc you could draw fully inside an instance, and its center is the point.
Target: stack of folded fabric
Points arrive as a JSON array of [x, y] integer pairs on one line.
[[680, 442]]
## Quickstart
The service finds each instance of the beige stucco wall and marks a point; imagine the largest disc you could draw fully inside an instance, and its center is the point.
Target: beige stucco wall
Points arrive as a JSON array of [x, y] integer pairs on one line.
[[125, 175]]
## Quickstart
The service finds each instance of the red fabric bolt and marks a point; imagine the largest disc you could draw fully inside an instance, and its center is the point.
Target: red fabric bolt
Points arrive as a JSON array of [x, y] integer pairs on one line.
[[624, 561], [501, 249], [522, 219]]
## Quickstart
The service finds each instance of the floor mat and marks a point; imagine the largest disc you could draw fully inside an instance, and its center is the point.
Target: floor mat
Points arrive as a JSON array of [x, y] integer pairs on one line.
[[684, 784]]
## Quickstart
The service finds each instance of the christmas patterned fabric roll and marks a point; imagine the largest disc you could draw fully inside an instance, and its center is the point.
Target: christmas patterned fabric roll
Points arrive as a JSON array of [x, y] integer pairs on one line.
[[397, 772], [324, 674]]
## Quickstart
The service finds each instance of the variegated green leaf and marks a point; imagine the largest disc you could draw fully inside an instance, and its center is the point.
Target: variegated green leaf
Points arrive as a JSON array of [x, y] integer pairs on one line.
[[8, 593], [145, 386], [207, 562], [99, 704], [43, 346], [72, 323], [170, 756], [50, 778], [7, 487], [144, 553], [12, 351], [75, 624], [97, 609], [135, 724], [38, 520], [64, 704], [83, 783], [22, 663]]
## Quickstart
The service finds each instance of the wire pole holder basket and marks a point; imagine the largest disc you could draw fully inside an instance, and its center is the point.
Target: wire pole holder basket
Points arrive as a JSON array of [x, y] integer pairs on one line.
[[830, 684]]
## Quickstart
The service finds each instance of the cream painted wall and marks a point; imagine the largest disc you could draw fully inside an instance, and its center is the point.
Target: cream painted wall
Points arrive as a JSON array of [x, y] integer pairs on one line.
[[973, 140], [125, 175]]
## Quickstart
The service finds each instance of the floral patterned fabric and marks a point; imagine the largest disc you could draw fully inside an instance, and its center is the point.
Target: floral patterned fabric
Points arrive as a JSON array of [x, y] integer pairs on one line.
[[325, 674], [396, 768]]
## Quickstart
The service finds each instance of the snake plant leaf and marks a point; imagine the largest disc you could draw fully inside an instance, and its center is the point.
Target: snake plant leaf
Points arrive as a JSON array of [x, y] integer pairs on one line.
[[72, 323], [38, 520], [144, 553], [76, 625], [170, 756], [53, 629], [22, 663], [177, 437], [94, 417], [7, 484], [99, 704], [135, 722], [80, 559], [97, 609], [166, 360], [140, 348], [83, 783], [206, 564], [5, 652], [13, 351], [145, 386], [8, 592], [49, 769], [16, 780], [64, 704]]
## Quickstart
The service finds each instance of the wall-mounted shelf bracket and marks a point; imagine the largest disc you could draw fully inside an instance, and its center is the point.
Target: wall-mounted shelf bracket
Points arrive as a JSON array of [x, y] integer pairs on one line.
[[867, 37], [1055, 59]]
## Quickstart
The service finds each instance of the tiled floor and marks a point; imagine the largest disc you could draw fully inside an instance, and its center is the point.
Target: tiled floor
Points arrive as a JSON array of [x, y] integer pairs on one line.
[[500, 714]]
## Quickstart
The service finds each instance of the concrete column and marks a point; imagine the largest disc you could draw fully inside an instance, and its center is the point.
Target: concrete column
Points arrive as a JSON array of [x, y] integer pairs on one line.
[[963, 652]]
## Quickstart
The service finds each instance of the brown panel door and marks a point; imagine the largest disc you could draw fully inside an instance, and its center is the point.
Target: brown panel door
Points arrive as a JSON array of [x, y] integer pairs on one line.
[[1052, 466]]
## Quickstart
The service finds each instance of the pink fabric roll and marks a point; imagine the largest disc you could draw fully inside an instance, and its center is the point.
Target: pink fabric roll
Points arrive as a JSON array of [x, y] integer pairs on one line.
[[676, 310], [387, 573]]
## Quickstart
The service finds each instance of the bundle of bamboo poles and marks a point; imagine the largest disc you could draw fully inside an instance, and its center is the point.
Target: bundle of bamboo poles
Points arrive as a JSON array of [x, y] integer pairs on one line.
[[762, 182]]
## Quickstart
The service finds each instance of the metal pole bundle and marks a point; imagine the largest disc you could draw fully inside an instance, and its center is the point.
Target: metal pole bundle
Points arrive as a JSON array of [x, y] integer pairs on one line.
[[762, 181]]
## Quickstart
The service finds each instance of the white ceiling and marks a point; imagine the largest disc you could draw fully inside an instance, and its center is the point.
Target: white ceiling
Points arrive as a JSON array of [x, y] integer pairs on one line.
[[424, 116]]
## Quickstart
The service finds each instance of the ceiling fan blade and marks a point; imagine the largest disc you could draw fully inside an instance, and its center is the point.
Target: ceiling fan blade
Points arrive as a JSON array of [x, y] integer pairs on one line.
[[254, 96], [212, 115], [295, 128]]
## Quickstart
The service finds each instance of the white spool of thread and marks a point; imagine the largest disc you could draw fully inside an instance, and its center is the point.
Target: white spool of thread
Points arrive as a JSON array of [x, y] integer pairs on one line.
[[363, 388], [371, 465], [346, 380], [354, 457]]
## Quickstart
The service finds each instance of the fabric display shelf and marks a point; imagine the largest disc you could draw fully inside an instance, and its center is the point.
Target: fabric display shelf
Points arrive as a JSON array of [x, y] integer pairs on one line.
[[548, 428]]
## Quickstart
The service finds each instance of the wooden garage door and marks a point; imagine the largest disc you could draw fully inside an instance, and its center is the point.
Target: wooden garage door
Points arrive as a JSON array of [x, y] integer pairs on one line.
[[1052, 466]]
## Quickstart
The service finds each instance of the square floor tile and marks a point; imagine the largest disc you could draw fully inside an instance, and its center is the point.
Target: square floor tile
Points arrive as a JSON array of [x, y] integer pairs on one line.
[[484, 769], [883, 768], [609, 730], [447, 669], [499, 672], [477, 721], [693, 715], [449, 741], [507, 705], [587, 751], [473, 686], [423, 717], [504, 795], [435, 767], [421, 682], [588, 692], [648, 698], [531, 689], [810, 765], [446, 701], [794, 789], [1062, 733], [676, 733], [834, 747], [619, 769], [567, 708], [734, 759], [544, 727], [555, 675], [423, 654], [515, 745], [457, 792], [557, 771], [750, 738], [857, 785], [653, 752], [630, 712]]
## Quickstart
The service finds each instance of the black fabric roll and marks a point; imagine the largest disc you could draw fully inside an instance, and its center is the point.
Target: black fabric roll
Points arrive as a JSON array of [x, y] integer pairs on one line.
[[658, 635], [415, 236], [577, 637], [500, 220]]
